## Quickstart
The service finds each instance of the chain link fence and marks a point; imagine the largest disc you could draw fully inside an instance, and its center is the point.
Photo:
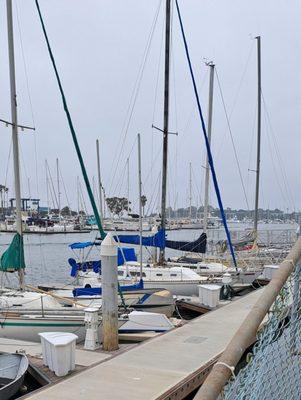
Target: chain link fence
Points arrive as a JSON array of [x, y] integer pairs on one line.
[[273, 368]]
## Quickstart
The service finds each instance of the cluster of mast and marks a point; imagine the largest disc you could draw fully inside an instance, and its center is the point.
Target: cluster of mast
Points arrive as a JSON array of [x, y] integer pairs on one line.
[[14, 124]]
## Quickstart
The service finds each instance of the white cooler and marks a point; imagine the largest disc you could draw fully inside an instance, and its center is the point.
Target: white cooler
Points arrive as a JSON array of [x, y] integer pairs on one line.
[[209, 295], [58, 350]]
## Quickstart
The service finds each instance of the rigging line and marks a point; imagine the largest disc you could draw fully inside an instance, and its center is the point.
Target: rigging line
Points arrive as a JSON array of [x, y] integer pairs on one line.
[[175, 106], [52, 186], [283, 170], [251, 148], [24, 169], [285, 199], [187, 125], [153, 198], [232, 139], [71, 127], [28, 93], [173, 70], [7, 164], [210, 159], [155, 100], [242, 78], [36, 163], [49, 190], [82, 199], [195, 183], [64, 187], [118, 188], [24, 63], [134, 96], [151, 169], [124, 169]]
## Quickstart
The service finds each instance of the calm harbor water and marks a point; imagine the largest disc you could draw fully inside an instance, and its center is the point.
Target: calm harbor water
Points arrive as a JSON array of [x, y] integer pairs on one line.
[[47, 255]]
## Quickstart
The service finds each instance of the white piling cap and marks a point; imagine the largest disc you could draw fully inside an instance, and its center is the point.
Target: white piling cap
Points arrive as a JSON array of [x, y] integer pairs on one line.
[[91, 310], [108, 246]]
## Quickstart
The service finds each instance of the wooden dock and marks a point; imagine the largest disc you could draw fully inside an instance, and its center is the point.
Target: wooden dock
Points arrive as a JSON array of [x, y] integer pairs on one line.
[[169, 366]]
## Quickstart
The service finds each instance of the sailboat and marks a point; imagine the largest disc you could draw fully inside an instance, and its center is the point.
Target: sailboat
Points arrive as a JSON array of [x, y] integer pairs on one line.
[[201, 265], [25, 313], [183, 273], [181, 278], [12, 260]]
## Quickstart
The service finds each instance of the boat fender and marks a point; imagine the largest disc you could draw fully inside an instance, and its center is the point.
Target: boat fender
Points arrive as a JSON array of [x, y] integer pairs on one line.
[[226, 292]]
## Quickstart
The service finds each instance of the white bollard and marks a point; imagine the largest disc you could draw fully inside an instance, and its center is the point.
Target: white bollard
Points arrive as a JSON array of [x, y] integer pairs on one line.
[[109, 278], [91, 324]]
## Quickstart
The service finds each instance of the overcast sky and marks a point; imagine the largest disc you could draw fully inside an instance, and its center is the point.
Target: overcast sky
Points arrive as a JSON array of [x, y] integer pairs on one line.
[[99, 47]]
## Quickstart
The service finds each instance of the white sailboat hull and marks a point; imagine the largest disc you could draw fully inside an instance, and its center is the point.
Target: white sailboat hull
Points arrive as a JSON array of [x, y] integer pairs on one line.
[[28, 329], [181, 288]]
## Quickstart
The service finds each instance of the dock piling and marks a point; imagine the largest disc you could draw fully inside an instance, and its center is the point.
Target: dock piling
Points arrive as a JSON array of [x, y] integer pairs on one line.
[[108, 251]]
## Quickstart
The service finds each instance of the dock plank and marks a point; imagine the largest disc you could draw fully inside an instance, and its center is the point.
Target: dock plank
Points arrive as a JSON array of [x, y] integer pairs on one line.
[[153, 368]]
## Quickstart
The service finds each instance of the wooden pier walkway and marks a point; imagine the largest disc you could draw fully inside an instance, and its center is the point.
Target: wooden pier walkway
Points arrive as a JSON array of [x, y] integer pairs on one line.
[[169, 366]]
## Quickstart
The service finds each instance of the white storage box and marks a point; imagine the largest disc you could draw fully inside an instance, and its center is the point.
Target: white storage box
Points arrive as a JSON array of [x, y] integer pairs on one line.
[[58, 350], [209, 295], [269, 271]]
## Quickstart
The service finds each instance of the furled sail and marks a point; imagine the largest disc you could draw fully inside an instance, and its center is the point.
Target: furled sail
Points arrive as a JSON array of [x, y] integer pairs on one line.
[[197, 246], [97, 291], [13, 258], [159, 240]]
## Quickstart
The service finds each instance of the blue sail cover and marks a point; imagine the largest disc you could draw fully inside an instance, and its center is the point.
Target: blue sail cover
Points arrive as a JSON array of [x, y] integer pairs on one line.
[[97, 291], [124, 254], [80, 245], [157, 240], [197, 246]]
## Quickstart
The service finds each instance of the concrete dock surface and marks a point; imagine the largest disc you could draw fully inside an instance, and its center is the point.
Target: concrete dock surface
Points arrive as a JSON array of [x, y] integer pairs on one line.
[[159, 367]]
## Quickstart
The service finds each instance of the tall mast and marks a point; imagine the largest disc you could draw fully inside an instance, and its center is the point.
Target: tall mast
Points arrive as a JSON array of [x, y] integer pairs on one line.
[[13, 99], [166, 120], [140, 202], [258, 134], [209, 130], [190, 192], [77, 194], [99, 180], [58, 188], [47, 188], [128, 182]]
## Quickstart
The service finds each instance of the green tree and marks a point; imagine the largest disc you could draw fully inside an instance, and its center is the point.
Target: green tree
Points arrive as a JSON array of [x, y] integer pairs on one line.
[[117, 205], [65, 211]]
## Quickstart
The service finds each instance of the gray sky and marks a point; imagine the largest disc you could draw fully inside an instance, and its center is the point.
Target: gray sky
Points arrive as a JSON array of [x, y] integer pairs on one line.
[[99, 47]]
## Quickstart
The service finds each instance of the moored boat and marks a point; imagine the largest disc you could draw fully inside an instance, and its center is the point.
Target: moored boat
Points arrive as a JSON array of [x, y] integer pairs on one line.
[[12, 371]]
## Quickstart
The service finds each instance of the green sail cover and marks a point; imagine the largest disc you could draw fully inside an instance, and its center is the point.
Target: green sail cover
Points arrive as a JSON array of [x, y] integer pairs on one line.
[[13, 258]]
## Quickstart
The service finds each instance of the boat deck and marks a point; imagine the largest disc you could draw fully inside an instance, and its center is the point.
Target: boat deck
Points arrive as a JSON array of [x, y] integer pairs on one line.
[[168, 366]]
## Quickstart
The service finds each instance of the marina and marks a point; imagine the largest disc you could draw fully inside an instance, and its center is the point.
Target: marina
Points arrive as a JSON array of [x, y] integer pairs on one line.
[[197, 344], [124, 273]]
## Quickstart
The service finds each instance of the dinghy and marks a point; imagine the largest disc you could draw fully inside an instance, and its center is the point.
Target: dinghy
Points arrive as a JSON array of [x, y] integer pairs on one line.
[[12, 371]]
